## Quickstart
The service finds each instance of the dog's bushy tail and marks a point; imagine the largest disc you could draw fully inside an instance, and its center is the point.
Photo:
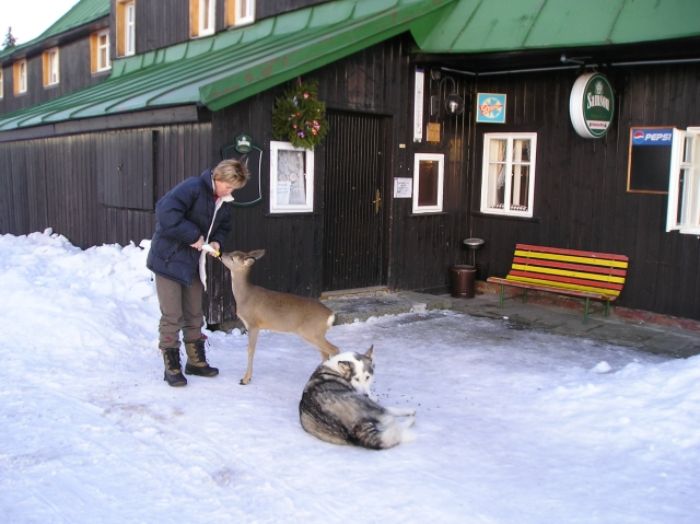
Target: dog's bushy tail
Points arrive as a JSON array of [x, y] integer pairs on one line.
[[373, 435]]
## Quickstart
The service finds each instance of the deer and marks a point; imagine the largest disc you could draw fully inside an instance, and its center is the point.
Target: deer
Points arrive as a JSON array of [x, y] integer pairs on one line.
[[261, 308]]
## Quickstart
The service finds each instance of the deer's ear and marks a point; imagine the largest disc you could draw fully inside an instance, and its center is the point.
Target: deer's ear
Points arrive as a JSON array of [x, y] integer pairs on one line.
[[258, 253]]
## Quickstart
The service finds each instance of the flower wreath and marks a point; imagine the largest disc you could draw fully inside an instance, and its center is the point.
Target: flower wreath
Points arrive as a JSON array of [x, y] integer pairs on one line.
[[299, 116]]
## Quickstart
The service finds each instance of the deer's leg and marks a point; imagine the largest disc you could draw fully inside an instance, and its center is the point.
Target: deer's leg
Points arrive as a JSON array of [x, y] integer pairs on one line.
[[252, 341], [326, 349]]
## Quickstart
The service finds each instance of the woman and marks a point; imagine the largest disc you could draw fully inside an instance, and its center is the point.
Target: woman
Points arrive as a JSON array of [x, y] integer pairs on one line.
[[189, 217]]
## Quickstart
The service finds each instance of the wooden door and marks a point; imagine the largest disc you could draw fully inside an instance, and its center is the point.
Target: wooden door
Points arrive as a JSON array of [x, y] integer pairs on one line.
[[354, 210]]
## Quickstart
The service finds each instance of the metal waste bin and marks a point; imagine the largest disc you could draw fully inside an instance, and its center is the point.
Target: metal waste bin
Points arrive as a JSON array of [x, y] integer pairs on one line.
[[462, 279]]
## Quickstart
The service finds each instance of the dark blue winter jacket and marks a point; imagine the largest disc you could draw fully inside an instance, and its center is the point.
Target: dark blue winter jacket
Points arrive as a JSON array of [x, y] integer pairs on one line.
[[182, 215]]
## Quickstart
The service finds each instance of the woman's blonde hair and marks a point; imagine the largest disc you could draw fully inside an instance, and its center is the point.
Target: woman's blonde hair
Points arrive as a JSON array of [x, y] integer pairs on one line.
[[232, 172]]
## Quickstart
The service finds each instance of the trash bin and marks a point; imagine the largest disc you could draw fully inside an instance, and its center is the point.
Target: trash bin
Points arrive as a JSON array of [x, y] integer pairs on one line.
[[462, 281]]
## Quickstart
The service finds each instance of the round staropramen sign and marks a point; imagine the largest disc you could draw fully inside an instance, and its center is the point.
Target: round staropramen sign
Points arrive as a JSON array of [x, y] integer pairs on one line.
[[591, 105]]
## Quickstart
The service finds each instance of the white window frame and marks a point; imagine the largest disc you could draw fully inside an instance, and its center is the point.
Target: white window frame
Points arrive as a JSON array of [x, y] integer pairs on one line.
[[433, 157], [100, 48], [683, 210], [508, 167], [21, 69], [207, 17], [130, 29], [52, 66], [280, 190], [245, 12]]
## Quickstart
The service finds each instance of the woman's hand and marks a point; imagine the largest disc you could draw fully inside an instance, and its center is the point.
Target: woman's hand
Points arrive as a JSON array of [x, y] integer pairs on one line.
[[198, 245], [212, 249]]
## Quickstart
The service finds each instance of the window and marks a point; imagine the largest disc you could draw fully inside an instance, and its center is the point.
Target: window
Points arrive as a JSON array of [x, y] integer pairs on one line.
[[508, 174], [683, 212], [240, 12], [428, 179], [99, 51], [291, 178], [49, 62], [19, 77], [202, 17], [126, 27]]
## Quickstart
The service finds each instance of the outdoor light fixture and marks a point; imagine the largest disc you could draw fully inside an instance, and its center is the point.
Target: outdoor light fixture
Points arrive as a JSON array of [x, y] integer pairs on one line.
[[454, 104]]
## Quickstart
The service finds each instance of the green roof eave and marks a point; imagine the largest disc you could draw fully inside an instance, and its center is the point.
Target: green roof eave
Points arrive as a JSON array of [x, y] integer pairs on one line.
[[479, 26], [315, 48]]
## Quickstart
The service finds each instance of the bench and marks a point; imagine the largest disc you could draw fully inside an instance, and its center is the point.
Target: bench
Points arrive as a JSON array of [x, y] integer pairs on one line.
[[584, 274]]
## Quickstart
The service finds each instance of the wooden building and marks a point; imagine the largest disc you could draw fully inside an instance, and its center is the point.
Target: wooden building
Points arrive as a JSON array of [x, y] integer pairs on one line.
[[396, 185]]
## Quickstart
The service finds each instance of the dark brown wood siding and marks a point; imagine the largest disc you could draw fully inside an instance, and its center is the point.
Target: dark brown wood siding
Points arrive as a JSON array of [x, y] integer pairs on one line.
[[74, 74], [377, 81], [72, 184], [581, 200]]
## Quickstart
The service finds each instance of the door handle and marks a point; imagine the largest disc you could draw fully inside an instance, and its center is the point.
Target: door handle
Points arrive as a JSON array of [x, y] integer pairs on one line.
[[377, 201]]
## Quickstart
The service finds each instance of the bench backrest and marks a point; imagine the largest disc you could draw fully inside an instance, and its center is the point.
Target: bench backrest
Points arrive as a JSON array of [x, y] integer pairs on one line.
[[570, 269]]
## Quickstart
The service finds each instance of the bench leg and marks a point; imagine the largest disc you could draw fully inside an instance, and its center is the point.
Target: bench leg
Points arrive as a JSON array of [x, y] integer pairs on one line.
[[501, 294], [585, 310], [607, 308]]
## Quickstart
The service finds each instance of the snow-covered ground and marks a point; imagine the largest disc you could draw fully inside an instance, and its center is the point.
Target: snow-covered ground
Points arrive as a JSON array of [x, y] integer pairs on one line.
[[513, 426]]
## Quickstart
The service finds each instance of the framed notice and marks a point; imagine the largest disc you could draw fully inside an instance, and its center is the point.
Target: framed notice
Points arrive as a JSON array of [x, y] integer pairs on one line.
[[291, 178], [649, 159], [403, 187]]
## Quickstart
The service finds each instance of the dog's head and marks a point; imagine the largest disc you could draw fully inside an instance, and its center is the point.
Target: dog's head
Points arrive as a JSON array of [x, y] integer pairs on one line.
[[356, 368]]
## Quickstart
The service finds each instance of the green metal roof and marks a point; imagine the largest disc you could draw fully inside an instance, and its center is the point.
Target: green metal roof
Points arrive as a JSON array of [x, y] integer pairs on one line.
[[82, 13], [478, 26], [223, 69]]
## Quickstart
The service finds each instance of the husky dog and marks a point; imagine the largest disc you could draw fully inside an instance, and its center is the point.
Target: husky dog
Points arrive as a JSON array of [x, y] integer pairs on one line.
[[337, 405]]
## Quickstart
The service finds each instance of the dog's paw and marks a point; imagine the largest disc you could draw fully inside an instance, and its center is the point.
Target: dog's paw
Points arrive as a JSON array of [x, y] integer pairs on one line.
[[407, 436]]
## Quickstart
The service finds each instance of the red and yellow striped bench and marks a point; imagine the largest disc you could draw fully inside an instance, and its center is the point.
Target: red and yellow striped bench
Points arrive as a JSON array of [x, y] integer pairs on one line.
[[584, 274]]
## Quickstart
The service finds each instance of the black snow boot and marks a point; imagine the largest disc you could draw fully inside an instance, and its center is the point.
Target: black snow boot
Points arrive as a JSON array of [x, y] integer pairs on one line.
[[173, 372], [197, 360]]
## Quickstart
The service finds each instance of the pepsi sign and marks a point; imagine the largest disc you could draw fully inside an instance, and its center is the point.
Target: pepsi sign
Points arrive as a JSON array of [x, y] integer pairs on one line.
[[652, 136]]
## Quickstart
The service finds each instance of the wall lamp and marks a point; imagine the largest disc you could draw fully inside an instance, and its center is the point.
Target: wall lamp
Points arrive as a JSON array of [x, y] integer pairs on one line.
[[453, 103]]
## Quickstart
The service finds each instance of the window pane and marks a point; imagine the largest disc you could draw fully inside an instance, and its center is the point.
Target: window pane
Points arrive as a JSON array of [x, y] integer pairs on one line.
[[520, 189], [693, 177], [496, 185], [291, 188], [428, 183], [206, 15], [130, 29], [497, 150], [688, 149], [521, 150]]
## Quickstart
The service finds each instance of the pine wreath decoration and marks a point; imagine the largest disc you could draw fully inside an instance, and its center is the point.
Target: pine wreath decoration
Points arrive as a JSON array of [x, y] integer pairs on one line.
[[299, 116]]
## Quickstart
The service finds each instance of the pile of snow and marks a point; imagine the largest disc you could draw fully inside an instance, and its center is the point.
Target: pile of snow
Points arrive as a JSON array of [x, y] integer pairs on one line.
[[513, 426]]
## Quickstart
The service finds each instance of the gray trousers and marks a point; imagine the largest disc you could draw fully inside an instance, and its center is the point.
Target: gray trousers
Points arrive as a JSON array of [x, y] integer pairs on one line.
[[180, 309]]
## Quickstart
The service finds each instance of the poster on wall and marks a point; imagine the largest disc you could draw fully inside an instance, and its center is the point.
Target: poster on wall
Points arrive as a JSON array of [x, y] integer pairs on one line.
[[649, 159], [491, 108]]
